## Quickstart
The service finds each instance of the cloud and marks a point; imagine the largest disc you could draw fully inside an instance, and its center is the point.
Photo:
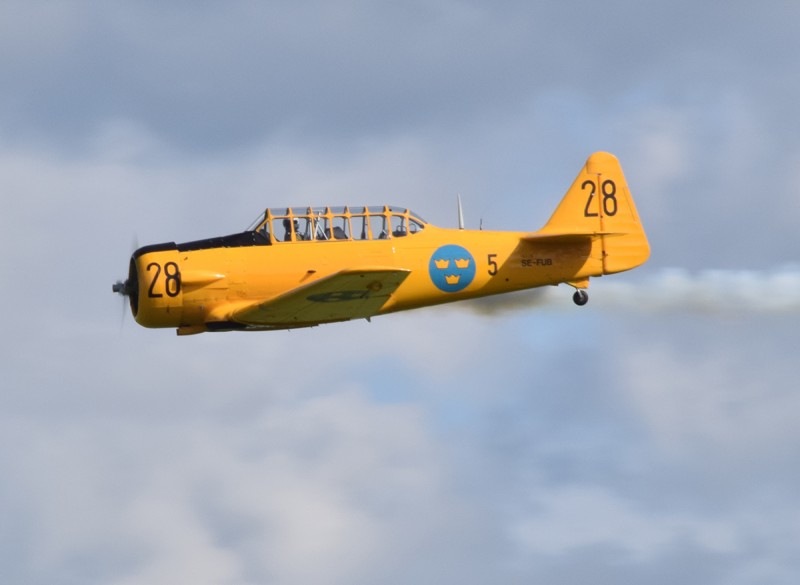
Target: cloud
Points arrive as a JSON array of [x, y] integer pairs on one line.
[[344, 72], [354, 485], [647, 437], [575, 518], [722, 400]]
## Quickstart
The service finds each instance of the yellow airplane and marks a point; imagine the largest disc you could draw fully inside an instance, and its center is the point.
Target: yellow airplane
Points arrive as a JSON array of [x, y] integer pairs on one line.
[[305, 266]]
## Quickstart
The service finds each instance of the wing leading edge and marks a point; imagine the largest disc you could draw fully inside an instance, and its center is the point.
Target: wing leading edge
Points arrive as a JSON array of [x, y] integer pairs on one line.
[[348, 294]]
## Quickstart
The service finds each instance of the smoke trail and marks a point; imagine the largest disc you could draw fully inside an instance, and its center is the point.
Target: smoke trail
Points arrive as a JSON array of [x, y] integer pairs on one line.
[[720, 291], [774, 291], [516, 301]]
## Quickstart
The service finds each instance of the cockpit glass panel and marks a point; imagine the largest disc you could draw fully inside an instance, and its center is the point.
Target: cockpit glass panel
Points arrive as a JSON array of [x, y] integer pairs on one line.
[[282, 229], [376, 222], [399, 226], [341, 228], [257, 222], [302, 228], [360, 227], [319, 227], [379, 227]]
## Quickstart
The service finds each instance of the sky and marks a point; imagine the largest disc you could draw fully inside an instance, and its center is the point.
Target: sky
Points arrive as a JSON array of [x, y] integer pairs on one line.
[[649, 436]]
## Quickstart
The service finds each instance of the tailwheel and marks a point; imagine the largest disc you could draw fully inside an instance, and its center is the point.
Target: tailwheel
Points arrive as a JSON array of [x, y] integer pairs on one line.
[[581, 297]]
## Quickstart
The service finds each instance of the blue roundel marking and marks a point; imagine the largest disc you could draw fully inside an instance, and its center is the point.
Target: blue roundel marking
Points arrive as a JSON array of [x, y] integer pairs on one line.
[[452, 268]]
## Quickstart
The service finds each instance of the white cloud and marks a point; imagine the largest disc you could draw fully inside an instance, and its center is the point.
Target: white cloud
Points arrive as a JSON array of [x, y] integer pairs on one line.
[[572, 518], [654, 426], [663, 153], [723, 400], [332, 479]]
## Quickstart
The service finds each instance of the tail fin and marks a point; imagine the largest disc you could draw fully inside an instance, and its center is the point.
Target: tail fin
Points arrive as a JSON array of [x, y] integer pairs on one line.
[[599, 206]]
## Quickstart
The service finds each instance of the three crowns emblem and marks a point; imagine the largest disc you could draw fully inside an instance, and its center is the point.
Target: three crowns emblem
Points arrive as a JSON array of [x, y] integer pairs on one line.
[[451, 268]]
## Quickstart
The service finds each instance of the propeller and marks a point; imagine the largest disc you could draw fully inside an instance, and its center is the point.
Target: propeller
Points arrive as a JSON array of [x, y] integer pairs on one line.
[[123, 288], [460, 214], [129, 286], [124, 315]]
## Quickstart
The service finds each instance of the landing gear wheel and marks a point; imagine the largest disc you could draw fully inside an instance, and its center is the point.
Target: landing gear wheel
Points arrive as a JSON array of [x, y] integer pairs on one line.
[[580, 298]]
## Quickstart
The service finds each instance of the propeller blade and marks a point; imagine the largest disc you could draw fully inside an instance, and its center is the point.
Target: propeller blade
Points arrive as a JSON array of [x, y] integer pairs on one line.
[[124, 317]]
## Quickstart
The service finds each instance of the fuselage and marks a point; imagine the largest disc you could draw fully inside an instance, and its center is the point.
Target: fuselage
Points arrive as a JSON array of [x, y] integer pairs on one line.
[[199, 283]]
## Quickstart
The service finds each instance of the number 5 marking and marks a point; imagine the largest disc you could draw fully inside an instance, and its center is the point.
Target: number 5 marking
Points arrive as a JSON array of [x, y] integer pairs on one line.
[[492, 264]]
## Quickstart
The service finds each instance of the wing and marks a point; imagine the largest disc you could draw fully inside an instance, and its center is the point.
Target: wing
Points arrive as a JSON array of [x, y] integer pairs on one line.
[[349, 294]]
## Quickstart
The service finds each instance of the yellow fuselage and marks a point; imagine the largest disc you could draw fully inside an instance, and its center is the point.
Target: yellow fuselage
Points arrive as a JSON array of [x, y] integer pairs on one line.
[[190, 288], [299, 267]]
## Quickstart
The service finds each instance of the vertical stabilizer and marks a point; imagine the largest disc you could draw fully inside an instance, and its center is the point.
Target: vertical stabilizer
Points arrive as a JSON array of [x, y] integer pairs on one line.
[[599, 205]]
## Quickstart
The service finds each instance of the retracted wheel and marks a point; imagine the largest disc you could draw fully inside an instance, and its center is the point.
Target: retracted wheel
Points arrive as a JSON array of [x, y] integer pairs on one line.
[[581, 297]]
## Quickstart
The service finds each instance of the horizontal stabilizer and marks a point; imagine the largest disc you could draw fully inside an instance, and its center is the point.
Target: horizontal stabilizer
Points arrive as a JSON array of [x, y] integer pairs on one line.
[[566, 237]]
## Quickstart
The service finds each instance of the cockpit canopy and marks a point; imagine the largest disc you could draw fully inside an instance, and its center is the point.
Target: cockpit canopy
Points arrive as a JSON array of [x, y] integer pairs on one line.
[[298, 224]]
